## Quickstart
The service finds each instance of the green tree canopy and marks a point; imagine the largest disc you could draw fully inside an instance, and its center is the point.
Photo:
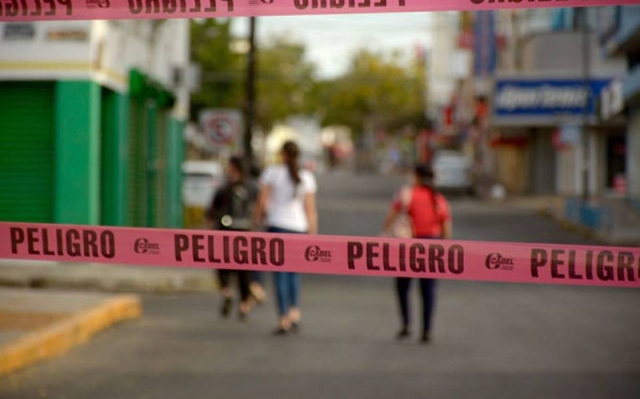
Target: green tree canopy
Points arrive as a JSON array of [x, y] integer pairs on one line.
[[286, 81], [383, 89], [221, 68]]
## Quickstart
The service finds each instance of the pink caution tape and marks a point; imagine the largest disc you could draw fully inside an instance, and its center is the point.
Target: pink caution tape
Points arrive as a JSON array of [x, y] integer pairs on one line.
[[441, 259], [37, 10]]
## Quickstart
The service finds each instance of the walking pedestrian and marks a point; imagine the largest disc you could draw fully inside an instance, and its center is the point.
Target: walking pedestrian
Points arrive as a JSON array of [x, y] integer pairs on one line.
[[430, 218], [287, 204], [256, 284], [232, 210]]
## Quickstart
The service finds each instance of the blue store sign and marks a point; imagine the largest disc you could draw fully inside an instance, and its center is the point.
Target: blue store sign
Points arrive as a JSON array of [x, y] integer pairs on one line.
[[541, 99]]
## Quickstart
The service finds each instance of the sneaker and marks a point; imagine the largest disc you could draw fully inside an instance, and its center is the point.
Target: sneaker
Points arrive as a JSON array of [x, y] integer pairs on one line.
[[404, 333], [425, 338], [243, 316], [280, 331], [227, 303]]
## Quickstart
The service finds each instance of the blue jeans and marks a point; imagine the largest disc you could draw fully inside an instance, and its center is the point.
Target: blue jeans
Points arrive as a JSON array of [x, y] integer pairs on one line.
[[287, 283]]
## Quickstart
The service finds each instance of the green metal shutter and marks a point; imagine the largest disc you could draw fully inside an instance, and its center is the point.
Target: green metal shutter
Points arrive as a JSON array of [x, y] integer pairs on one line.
[[160, 182], [27, 129], [114, 163], [137, 181], [107, 131], [175, 157]]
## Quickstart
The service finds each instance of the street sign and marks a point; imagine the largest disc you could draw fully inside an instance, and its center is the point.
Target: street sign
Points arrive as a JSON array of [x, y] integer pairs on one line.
[[221, 127], [570, 134]]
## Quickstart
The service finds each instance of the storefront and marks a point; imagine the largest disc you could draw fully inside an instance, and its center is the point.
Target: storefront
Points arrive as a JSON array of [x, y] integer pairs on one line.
[[549, 118], [619, 36], [89, 134]]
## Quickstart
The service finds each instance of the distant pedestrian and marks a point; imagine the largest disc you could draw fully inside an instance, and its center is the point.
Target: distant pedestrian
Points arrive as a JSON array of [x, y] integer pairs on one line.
[[232, 209], [256, 285], [287, 201], [430, 218]]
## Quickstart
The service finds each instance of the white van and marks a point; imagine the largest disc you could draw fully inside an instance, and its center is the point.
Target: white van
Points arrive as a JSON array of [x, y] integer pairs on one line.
[[453, 171], [201, 180]]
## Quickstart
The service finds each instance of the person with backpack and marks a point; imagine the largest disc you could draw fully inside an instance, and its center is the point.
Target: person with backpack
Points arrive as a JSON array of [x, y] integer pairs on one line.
[[429, 217], [231, 210], [288, 203]]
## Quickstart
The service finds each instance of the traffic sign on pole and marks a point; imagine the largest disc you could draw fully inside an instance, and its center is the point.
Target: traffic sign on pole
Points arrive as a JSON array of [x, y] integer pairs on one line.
[[221, 127]]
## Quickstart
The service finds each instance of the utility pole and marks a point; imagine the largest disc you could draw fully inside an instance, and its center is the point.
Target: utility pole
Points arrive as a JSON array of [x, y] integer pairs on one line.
[[250, 110], [586, 72]]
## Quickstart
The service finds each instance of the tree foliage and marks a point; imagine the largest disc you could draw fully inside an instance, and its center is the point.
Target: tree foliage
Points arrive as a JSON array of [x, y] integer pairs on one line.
[[378, 89], [381, 90], [286, 81], [221, 68]]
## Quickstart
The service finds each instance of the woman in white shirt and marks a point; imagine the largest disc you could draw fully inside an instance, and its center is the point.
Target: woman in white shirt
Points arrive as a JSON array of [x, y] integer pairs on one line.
[[288, 203]]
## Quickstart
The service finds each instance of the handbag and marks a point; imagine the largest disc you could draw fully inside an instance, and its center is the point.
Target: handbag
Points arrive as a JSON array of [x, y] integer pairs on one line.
[[403, 226]]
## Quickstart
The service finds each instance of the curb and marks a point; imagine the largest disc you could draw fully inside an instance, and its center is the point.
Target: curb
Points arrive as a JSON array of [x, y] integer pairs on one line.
[[60, 337], [121, 285], [570, 226], [586, 232]]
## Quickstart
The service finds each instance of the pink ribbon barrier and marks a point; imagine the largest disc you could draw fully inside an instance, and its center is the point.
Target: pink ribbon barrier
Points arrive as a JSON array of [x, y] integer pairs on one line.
[[41, 10], [366, 256]]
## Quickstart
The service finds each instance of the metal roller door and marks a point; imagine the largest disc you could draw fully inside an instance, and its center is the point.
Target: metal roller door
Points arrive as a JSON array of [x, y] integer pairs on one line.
[[27, 132]]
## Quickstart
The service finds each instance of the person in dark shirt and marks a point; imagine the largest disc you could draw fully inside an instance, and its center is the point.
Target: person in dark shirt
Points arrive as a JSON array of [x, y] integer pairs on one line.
[[231, 210]]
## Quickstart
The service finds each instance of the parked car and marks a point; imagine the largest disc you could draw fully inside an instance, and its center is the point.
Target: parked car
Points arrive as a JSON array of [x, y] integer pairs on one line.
[[201, 179], [453, 172]]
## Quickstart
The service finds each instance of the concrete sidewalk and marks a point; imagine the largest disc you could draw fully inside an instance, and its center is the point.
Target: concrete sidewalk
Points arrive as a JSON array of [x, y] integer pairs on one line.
[[620, 223], [36, 325], [39, 324], [110, 278]]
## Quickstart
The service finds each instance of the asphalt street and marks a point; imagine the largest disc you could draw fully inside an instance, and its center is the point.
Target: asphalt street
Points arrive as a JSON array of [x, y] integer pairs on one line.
[[491, 340]]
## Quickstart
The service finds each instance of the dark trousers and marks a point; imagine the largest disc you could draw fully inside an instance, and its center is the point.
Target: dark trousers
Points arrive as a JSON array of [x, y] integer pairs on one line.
[[257, 277], [224, 277], [428, 294]]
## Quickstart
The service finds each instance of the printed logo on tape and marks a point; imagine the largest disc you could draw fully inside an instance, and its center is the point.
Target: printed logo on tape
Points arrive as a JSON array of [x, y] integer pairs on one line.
[[143, 246], [496, 261], [314, 253]]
